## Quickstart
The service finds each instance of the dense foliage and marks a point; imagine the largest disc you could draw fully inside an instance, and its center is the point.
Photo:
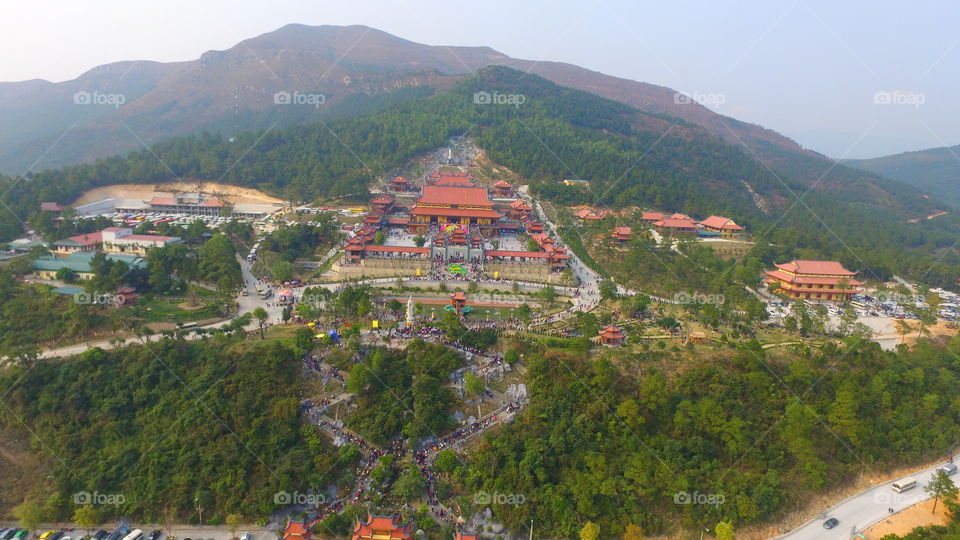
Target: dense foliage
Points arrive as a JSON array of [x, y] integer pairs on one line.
[[170, 423], [403, 392], [762, 431]]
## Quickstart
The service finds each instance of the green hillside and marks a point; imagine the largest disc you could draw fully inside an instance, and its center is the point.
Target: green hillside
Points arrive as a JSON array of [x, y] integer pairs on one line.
[[630, 158]]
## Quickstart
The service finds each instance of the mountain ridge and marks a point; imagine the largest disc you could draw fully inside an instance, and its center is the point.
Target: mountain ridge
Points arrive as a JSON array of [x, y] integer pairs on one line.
[[230, 90], [935, 170]]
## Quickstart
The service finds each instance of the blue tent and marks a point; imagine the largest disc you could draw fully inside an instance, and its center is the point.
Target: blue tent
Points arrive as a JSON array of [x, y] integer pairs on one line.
[[334, 336]]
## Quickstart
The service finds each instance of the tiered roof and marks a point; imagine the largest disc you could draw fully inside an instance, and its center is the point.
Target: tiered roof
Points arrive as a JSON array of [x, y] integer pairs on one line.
[[382, 528]]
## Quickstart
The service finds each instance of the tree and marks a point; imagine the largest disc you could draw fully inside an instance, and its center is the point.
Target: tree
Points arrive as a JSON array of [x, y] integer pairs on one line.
[[66, 275], [590, 531], [303, 338], [282, 271], [419, 240], [410, 485], [86, 517], [30, 514], [261, 315], [395, 306], [608, 289], [473, 384], [903, 328], [724, 531], [941, 487], [446, 461], [633, 532], [524, 312], [233, 521], [379, 238], [547, 294]]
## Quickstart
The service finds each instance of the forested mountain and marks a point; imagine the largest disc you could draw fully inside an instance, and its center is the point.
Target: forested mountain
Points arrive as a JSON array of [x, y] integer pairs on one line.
[[630, 158], [936, 170], [231, 91]]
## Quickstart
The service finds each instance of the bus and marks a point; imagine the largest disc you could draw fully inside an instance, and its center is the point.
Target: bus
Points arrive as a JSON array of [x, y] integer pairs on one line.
[[902, 485], [187, 326], [135, 534]]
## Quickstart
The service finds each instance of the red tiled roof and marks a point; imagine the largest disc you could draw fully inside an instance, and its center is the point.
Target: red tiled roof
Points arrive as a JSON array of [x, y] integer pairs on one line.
[[458, 212], [622, 230], [462, 195], [383, 199], [87, 239], [396, 249], [50, 207], [611, 331], [520, 205], [651, 216], [399, 180], [501, 183], [679, 216], [829, 268], [719, 222], [162, 200], [811, 280], [386, 528], [673, 223], [527, 254], [454, 180], [296, 529]]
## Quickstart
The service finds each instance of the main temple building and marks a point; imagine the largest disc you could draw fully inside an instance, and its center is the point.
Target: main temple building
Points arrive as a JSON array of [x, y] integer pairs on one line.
[[460, 224]]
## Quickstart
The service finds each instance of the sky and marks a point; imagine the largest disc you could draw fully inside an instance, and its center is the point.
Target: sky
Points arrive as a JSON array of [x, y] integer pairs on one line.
[[850, 79]]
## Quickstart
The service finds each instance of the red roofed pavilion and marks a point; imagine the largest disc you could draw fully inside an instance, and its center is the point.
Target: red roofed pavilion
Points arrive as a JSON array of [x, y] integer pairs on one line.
[[825, 281], [296, 530], [382, 528], [612, 336]]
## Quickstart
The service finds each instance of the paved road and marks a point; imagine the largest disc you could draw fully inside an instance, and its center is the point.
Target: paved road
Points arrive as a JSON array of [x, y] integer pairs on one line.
[[864, 509]]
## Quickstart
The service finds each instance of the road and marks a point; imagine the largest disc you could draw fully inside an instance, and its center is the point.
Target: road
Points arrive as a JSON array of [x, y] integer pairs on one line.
[[864, 509], [246, 305]]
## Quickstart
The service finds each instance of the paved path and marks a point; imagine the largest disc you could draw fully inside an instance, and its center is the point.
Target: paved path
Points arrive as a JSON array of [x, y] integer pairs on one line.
[[859, 512]]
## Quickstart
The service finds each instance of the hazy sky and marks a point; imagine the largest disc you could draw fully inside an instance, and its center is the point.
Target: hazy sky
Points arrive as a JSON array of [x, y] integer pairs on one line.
[[809, 69]]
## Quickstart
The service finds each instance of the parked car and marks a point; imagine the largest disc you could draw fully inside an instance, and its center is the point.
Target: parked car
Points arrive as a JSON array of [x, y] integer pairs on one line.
[[831, 523]]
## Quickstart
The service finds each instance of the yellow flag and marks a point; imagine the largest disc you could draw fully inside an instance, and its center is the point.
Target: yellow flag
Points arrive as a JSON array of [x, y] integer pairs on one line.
[[376, 324]]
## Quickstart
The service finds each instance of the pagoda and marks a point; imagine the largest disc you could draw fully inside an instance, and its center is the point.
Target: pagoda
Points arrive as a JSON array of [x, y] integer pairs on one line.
[[825, 281]]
